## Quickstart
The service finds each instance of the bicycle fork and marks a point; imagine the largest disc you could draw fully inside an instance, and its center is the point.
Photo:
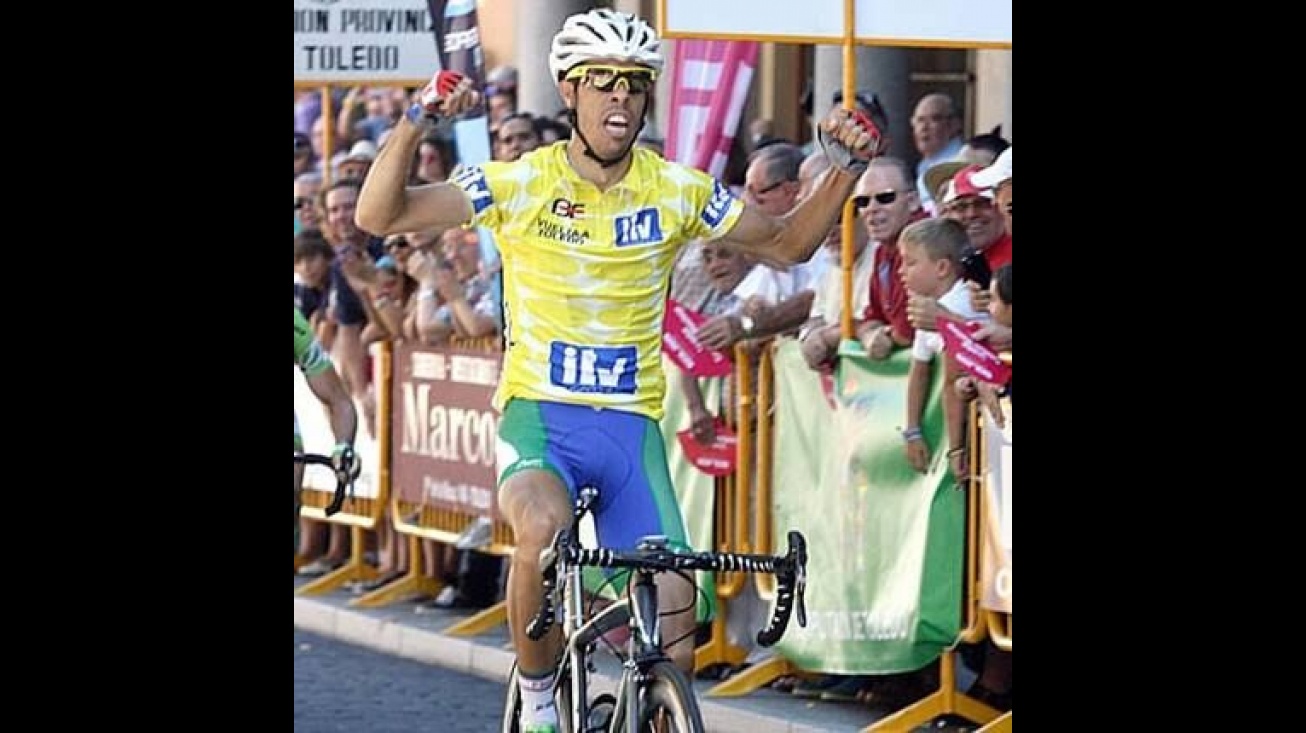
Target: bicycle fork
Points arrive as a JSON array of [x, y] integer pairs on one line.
[[645, 649]]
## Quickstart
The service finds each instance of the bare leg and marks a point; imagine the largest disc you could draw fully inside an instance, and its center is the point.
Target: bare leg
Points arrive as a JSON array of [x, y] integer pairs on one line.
[[448, 562], [432, 566], [401, 552], [312, 538], [387, 550], [676, 593], [337, 543], [535, 503]]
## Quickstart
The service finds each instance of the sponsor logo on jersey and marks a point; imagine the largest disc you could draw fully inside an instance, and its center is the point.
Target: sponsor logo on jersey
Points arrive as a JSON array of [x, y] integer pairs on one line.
[[472, 180], [718, 205], [560, 232], [602, 369], [642, 227], [567, 209]]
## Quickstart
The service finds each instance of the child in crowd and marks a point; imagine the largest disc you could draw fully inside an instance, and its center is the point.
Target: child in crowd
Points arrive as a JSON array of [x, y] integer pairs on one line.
[[932, 250]]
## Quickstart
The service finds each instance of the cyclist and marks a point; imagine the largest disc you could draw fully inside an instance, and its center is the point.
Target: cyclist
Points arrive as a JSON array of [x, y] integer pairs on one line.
[[326, 384], [588, 230]]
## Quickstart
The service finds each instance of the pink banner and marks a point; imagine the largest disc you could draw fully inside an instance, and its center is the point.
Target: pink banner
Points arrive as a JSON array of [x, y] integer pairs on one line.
[[974, 356], [707, 98], [680, 342], [716, 459]]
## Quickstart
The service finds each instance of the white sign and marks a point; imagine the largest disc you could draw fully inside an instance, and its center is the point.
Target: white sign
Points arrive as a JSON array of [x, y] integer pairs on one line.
[[935, 22], [954, 23], [752, 19], [347, 41]]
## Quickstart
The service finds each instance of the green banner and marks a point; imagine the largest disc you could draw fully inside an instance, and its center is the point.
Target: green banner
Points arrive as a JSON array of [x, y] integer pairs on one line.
[[695, 490], [885, 543]]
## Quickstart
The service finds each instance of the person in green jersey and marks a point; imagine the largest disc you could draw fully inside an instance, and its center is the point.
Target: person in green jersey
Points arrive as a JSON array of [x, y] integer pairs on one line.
[[327, 385]]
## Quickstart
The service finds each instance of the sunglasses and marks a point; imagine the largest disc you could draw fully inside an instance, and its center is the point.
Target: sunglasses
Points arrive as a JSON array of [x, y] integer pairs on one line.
[[884, 197], [300, 202], [395, 244], [607, 78]]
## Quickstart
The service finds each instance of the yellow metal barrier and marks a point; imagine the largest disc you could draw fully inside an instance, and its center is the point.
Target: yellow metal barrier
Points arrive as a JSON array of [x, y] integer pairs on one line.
[[418, 521], [763, 522], [976, 620], [999, 629], [734, 532], [413, 583], [762, 674], [359, 513], [446, 525], [730, 532], [999, 623], [947, 700]]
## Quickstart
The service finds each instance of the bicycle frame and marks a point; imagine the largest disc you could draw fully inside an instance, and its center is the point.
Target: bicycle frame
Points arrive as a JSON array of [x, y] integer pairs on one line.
[[563, 563], [642, 650]]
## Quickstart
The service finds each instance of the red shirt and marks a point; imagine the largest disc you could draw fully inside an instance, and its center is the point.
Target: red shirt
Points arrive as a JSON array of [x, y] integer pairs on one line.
[[888, 302], [999, 253]]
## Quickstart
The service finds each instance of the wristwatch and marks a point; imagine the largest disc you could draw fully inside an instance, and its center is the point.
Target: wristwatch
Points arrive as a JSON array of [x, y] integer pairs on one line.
[[747, 323]]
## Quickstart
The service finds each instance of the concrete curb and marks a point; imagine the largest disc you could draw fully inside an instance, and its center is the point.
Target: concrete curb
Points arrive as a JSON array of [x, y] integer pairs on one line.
[[483, 660]]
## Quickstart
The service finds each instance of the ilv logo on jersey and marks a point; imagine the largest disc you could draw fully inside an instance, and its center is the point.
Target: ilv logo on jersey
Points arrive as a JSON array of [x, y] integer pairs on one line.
[[603, 369], [718, 205], [641, 227], [472, 180]]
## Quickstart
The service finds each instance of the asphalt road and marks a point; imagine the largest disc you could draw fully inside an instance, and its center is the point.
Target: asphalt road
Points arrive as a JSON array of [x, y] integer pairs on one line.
[[343, 688]]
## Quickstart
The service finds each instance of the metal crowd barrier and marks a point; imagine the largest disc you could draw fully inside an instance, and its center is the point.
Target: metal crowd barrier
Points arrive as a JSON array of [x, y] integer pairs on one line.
[[359, 513]]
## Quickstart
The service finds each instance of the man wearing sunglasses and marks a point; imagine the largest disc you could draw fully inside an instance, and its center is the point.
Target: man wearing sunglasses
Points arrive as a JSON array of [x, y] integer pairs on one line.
[[886, 201], [589, 229]]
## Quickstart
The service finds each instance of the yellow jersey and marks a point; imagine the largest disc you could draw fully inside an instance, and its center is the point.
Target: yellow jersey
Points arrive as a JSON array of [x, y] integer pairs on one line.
[[585, 272]]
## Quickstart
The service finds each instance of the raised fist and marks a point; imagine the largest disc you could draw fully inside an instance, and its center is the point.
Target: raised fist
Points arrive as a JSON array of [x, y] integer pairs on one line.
[[850, 139], [448, 94], [860, 138]]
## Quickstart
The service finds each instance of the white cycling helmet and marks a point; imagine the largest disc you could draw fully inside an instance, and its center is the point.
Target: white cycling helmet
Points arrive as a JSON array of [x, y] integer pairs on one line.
[[604, 34]]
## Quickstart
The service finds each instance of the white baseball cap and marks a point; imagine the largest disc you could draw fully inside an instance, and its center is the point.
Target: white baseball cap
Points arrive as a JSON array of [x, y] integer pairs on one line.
[[995, 174], [963, 185], [362, 151]]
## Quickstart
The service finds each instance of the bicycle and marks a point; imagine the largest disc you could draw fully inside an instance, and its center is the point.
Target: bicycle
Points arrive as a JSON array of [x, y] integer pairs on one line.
[[651, 688], [344, 482]]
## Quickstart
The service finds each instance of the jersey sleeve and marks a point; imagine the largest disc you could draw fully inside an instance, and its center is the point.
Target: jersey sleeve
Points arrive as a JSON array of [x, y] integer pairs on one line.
[[309, 355], [488, 188], [715, 210], [925, 346]]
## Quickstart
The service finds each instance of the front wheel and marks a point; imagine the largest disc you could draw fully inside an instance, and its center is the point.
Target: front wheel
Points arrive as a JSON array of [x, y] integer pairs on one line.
[[512, 703], [666, 704]]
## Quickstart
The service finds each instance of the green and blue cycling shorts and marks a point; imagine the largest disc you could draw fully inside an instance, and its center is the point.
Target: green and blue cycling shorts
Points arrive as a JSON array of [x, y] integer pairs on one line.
[[619, 453]]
